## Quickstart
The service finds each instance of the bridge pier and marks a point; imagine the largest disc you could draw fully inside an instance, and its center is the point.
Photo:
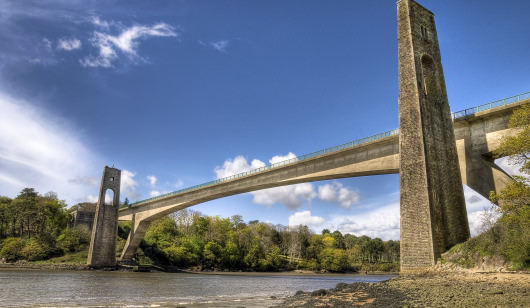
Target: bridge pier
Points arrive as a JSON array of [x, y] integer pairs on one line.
[[476, 139], [432, 205], [138, 231], [102, 251]]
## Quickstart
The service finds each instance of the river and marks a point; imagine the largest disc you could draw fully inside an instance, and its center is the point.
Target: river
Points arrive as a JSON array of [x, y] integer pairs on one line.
[[23, 288]]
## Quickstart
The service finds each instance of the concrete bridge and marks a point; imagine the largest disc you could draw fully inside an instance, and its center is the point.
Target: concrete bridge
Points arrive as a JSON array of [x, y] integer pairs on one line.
[[434, 151], [478, 132]]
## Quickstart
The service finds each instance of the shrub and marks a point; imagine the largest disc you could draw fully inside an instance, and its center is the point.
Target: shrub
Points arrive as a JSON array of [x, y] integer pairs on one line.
[[33, 251], [12, 249], [74, 239]]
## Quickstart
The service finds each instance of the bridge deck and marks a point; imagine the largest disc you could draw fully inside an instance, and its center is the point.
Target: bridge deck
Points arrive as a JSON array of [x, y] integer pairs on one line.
[[457, 116]]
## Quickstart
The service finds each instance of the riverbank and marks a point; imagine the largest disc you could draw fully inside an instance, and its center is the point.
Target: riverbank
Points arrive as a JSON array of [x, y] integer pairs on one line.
[[434, 290], [45, 266], [68, 266]]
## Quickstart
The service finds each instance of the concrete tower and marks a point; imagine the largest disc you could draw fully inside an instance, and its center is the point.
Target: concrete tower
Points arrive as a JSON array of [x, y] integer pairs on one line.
[[433, 210], [102, 251]]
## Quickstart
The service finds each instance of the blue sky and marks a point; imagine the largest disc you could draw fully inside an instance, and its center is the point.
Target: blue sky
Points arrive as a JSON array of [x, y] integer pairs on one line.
[[177, 93]]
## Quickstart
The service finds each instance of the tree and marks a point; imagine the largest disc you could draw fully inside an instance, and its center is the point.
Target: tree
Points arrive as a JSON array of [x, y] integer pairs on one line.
[[517, 147], [513, 228], [26, 204]]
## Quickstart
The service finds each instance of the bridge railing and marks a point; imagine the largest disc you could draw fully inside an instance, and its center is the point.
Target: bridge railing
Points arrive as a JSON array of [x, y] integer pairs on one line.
[[455, 115], [488, 106], [275, 165]]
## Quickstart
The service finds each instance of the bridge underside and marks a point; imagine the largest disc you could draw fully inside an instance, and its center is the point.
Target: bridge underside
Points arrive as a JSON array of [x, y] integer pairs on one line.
[[373, 158], [476, 137]]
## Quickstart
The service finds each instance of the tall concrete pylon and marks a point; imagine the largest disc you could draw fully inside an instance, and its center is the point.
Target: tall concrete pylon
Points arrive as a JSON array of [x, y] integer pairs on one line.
[[433, 210], [102, 251]]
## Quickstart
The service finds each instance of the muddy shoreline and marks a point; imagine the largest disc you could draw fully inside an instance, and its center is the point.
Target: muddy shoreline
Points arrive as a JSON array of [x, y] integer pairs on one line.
[[433, 290]]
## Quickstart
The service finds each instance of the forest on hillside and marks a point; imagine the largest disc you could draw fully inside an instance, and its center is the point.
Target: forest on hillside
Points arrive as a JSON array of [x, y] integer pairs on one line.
[[36, 227], [188, 239]]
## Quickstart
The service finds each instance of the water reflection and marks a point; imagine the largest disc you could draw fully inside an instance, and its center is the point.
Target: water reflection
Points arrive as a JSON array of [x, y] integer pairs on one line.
[[117, 289]]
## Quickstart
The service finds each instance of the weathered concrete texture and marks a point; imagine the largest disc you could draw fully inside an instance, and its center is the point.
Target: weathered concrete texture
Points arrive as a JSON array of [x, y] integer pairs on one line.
[[477, 136], [433, 211], [102, 251]]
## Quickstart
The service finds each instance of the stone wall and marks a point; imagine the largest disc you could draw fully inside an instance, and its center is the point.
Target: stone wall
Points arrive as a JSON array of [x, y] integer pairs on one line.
[[433, 212]]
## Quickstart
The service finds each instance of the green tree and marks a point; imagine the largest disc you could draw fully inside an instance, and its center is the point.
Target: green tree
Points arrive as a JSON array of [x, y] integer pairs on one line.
[[26, 204], [12, 249], [213, 253], [5, 203], [512, 231], [74, 239]]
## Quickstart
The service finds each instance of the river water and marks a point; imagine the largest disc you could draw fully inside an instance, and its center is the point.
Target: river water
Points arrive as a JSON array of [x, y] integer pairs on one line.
[[23, 288]]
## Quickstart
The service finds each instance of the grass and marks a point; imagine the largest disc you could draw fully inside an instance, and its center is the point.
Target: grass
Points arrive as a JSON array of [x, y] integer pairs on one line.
[[79, 257]]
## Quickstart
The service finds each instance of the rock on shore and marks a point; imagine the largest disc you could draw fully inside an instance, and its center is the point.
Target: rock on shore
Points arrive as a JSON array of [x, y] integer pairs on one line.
[[434, 290]]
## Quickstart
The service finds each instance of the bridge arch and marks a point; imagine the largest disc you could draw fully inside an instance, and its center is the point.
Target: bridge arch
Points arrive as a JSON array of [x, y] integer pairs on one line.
[[372, 158], [109, 197]]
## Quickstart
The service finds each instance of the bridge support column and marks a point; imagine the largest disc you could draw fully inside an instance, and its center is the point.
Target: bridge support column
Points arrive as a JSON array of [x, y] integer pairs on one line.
[[135, 237], [480, 173], [102, 251], [433, 210], [475, 141]]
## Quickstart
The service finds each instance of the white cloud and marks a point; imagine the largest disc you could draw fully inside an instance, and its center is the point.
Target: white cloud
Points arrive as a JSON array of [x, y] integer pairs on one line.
[[69, 44], [91, 198], [478, 209], [335, 193], [305, 218], [152, 180], [47, 43], [382, 222], [220, 46], [96, 21], [155, 193], [126, 43], [40, 150], [128, 185], [238, 165], [291, 196]]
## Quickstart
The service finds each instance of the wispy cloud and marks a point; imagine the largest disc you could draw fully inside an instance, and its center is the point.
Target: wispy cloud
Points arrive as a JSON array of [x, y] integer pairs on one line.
[[154, 193], [152, 180], [68, 44], [42, 151], [221, 46], [126, 43], [129, 185], [59, 26]]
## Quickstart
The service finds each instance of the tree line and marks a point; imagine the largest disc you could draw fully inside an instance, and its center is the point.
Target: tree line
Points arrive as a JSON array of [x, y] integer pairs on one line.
[[35, 227], [38, 227], [188, 239]]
